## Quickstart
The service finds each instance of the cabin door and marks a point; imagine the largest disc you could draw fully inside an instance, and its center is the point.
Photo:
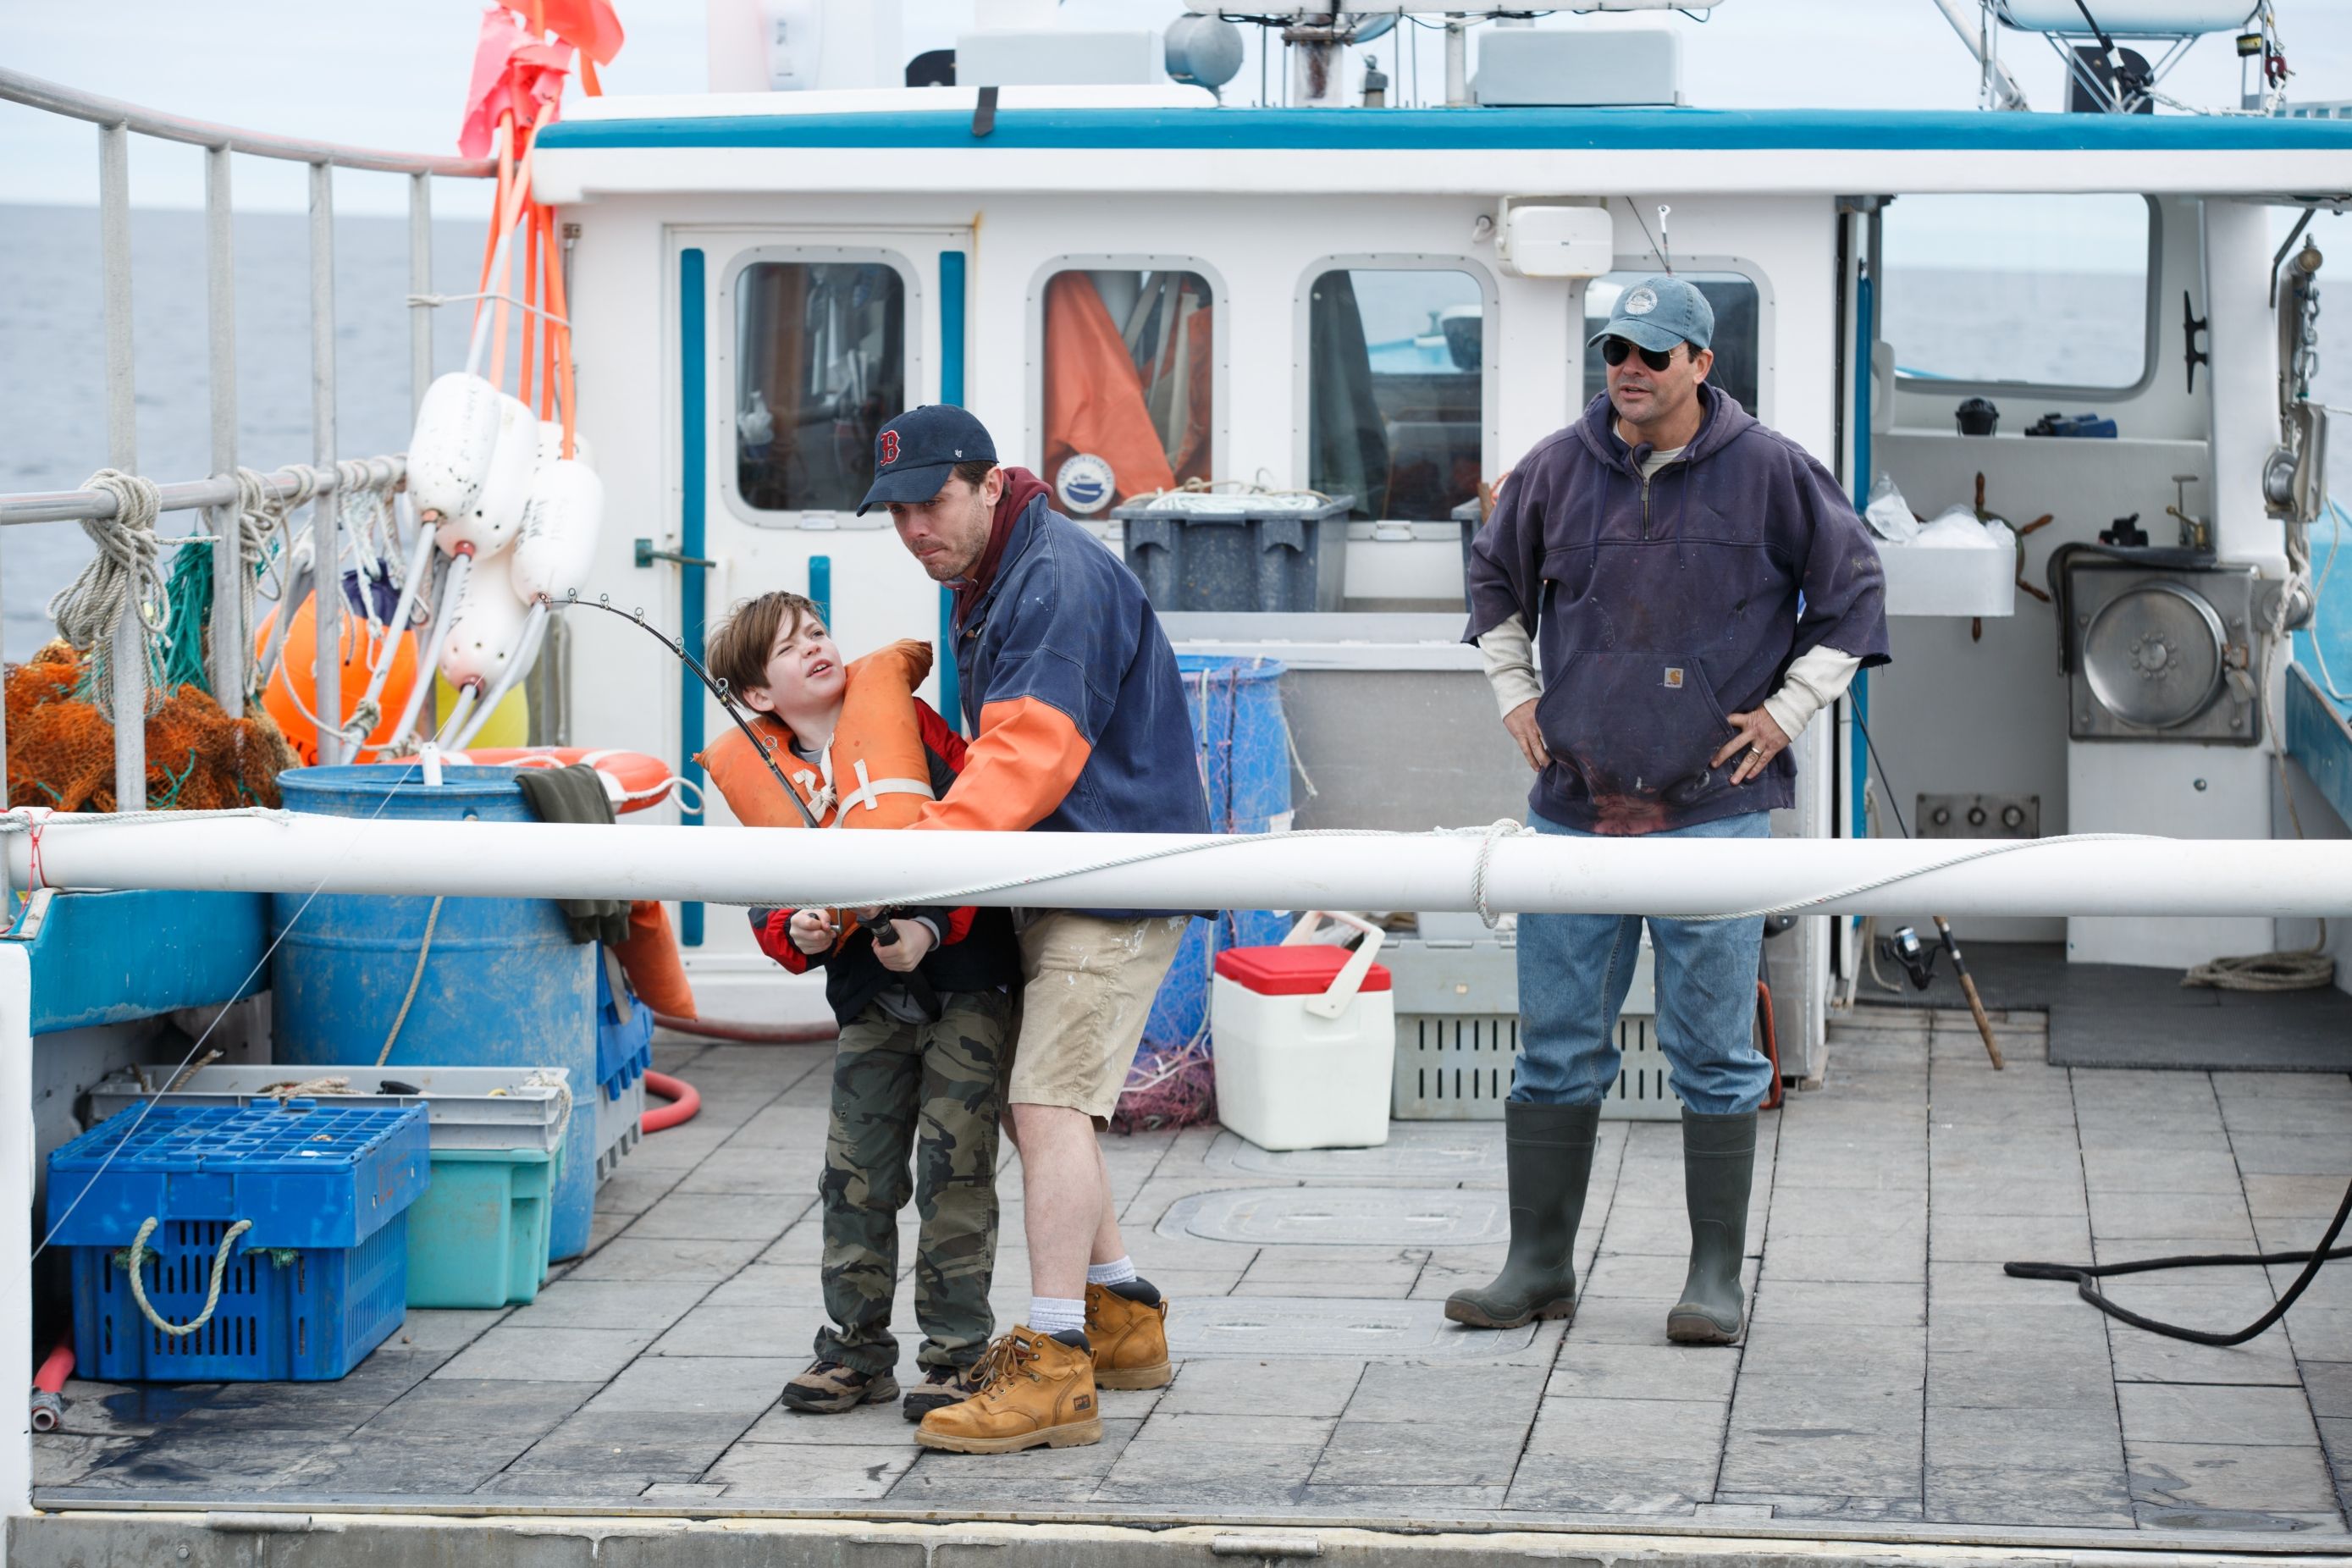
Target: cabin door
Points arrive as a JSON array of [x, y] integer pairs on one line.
[[795, 346]]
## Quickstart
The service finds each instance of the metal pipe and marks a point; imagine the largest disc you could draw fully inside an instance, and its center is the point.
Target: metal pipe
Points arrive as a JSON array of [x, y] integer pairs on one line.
[[273, 852], [420, 282], [326, 516], [1457, 61], [189, 495], [229, 631], [127, 651], [15, 87], [2000, 86]]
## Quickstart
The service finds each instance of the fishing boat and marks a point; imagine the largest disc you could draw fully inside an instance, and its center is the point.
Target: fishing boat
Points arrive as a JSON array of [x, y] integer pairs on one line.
[[1278, 355]]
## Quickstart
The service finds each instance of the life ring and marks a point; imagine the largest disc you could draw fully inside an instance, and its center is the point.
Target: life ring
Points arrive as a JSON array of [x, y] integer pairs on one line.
[[634, 780]]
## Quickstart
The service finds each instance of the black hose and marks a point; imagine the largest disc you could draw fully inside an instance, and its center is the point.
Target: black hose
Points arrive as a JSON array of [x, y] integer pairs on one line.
[[2084, 1273]]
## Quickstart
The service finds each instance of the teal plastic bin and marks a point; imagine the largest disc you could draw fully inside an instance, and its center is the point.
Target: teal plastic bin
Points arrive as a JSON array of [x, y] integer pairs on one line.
[[477, 1238]]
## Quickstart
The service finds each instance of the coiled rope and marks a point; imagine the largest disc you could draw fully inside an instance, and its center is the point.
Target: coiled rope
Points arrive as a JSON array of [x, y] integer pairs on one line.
[[139, 1256], [123, 575]]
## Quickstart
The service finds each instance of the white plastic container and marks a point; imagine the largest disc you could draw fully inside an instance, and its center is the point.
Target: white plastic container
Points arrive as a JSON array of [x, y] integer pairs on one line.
[[1305, 1041]]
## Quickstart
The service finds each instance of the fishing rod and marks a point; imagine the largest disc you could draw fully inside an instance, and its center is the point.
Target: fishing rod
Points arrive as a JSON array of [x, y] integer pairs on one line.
[[882, 929]]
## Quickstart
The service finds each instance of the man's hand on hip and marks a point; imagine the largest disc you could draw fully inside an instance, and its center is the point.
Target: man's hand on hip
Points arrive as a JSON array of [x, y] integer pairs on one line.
[[1759, 741], [1521, 723]]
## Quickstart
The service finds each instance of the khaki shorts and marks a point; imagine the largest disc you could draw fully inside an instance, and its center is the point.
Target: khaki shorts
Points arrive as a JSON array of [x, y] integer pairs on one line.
[[1086, 990]]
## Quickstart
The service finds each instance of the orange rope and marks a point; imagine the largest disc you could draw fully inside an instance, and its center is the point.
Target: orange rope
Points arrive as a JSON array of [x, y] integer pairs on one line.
[[549, 261], [498, 206], [558, 304], [529, 359]]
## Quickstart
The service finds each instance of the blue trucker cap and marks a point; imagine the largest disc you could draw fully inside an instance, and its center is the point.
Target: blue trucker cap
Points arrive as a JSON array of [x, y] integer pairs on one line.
[[1658, 313], [915, 453]]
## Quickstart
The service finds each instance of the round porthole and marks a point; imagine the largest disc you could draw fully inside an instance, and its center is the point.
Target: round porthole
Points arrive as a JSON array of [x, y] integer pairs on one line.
[[2153, 656]]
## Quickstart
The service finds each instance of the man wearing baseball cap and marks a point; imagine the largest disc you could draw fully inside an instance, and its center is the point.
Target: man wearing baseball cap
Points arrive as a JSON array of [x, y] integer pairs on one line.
[[1666, 592], [1078, 725]]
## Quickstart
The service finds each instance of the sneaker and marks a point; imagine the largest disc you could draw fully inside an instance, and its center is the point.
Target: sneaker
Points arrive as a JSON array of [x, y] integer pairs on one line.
[[828, 1388], [1038, 1390], [942, 1386], [1127, 1325]]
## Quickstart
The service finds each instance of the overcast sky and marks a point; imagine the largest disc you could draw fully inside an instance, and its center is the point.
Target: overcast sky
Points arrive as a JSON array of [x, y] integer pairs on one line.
[[394, 76]]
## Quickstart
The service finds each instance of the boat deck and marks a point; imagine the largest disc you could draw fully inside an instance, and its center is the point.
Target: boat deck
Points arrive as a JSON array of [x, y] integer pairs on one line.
[[1893, 1381]]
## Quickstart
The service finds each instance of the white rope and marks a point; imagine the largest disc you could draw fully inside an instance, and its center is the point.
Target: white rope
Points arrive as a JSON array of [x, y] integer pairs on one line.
[[124, 574], [139, 1255], [1495, 832]]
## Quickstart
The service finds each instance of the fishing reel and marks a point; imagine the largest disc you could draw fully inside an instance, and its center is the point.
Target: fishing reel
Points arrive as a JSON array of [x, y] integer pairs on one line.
[[1917, 958]]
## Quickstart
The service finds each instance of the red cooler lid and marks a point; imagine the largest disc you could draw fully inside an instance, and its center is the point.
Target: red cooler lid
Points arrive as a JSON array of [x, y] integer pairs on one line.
[[1303, 970]]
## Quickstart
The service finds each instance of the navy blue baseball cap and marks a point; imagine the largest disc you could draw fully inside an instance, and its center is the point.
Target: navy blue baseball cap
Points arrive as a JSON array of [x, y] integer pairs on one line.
[[915, 453], [1658, 313]]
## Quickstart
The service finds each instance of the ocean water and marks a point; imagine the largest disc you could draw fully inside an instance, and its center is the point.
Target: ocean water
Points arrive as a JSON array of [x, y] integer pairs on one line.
[[53, 394]]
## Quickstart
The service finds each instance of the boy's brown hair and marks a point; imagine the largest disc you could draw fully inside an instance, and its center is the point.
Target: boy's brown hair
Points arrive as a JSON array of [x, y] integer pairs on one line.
[[738, 650]]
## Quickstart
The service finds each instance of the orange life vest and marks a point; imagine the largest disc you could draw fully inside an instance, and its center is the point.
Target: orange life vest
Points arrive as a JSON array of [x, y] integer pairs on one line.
[[874, 775]]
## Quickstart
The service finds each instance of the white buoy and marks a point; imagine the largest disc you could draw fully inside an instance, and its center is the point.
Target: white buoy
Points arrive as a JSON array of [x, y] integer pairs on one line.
[[551, 445], [485, 629], [489, 523], [556, 548], [450, 449]]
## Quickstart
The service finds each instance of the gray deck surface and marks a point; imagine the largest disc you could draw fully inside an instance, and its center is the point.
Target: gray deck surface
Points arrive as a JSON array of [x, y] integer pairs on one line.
[[1892, 1375]]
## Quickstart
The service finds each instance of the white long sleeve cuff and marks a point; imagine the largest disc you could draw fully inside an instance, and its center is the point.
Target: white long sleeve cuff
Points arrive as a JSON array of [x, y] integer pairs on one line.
[[1510, 655], [1816, 680]]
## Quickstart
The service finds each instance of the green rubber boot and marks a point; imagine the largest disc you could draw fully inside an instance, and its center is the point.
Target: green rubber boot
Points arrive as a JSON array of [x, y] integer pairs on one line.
[[1549, 1153], [1718, 1166]]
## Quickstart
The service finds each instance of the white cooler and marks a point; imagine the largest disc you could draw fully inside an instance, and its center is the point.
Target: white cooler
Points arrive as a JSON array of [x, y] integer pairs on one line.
[[1305, 1040]]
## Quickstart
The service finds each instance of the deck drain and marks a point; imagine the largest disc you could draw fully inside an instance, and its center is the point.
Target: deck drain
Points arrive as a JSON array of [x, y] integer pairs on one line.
[[1337, 1327], [1424, 1151], [1342, 1217]]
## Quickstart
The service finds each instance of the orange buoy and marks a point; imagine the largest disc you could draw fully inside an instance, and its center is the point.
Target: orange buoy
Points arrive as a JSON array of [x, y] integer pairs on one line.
[[289, 697]]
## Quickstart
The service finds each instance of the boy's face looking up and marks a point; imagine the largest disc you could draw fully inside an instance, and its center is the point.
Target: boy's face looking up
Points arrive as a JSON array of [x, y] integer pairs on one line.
[[804, 670], [948, 534]]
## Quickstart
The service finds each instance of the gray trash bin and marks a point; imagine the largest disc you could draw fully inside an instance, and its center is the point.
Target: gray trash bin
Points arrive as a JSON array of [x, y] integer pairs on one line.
[[1200, 550]]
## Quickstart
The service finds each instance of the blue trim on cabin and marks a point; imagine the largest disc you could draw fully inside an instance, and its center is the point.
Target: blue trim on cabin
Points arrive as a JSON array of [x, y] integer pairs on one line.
[[1399, 129], [951, 336], [109, 958], [821, 589], [692, 590], [2319, 738], [1865, 333]]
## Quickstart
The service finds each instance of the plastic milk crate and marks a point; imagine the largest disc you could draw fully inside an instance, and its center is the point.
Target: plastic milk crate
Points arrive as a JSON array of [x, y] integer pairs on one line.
[[1303, 1036], [1458, 1029], [317, 1278], [624, 1054], [478, 1235]]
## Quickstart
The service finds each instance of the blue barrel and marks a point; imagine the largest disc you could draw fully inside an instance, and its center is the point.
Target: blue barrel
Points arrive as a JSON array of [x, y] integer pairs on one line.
[[1243, 746], [504, 984]]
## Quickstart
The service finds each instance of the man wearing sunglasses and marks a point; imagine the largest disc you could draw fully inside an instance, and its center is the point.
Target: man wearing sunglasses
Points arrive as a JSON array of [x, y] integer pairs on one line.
[[1696, 587]]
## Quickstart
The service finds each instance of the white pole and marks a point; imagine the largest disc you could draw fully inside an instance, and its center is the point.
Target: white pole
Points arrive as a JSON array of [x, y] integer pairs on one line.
[[270, 852]]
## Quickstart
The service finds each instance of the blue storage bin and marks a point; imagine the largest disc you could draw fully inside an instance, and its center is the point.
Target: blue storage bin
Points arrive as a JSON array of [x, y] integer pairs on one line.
[[625, 1047], [1243, 748], [319, 1278]]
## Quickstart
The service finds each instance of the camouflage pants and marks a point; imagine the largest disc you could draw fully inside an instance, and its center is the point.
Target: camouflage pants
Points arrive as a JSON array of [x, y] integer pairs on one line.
[[935, 1090]]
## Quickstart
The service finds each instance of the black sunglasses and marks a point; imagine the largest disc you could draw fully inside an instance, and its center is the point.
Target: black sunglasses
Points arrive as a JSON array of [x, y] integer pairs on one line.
[[1613, 351]]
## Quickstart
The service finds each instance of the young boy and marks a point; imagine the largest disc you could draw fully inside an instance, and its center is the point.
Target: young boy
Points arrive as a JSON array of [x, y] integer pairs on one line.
[[924, 1016]]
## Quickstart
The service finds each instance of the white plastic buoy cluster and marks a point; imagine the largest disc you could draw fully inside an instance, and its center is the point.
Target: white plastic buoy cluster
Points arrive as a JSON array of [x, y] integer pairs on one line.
[[518, 518]]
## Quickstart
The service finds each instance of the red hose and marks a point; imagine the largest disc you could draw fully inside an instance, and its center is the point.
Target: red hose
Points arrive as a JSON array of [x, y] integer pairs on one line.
[[684, 1101], [51, 1378], [750, 1033]]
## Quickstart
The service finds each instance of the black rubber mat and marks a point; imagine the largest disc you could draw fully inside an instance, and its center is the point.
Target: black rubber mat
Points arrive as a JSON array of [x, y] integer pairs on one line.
[[2116, 1015]]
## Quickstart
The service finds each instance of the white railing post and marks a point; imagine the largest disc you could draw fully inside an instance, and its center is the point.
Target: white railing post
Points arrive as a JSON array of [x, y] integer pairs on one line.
[[126, 657], [230, 633], [326, 513]]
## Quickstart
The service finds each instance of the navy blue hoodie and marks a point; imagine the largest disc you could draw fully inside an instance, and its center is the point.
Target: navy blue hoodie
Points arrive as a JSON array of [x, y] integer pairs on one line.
[[1659, 606]]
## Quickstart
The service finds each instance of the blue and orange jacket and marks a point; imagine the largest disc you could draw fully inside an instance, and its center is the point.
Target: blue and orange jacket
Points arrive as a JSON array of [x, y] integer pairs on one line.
[[1077, 713], [975, 949]]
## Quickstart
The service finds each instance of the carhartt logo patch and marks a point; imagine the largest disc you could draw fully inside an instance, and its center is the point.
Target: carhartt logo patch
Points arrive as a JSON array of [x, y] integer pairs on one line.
[[1673, 677]]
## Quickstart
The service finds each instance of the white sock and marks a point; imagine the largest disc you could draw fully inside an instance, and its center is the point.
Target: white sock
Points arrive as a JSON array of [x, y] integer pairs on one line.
[[1057, 1314], [1121, 1272]]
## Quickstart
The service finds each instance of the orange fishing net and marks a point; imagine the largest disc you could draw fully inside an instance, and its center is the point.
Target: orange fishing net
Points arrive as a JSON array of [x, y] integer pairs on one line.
[[61, 753]]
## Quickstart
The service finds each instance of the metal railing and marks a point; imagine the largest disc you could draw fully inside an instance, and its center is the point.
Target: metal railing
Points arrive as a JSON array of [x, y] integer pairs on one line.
[[218, 495]]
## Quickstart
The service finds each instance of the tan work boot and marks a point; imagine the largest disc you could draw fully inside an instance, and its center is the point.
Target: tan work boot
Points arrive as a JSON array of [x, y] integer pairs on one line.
[[1040, 1392], [1130, 1334]]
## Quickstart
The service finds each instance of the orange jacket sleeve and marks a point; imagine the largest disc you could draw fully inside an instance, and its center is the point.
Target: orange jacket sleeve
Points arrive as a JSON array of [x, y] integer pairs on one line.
[[1016, 771]]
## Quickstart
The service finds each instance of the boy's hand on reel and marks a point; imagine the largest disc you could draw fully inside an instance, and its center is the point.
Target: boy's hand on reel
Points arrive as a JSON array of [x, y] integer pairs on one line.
[[912, 946], [812, 931]]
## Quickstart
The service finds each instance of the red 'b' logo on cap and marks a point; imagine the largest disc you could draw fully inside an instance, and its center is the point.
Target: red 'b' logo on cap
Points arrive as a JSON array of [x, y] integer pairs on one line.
[[889, 446]]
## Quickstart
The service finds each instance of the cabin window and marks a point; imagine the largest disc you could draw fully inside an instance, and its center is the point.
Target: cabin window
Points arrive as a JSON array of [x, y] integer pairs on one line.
[[2018, 291], [821, 367], [1396, 409], [1129, 384], [1739, 331]]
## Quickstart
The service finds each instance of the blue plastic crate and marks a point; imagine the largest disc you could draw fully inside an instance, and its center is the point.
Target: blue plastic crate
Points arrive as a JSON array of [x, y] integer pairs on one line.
[[320, 1279], [624, 1049]]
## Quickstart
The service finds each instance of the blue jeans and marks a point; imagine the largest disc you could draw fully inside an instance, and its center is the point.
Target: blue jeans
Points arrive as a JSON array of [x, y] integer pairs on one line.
[[1574, 972]]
